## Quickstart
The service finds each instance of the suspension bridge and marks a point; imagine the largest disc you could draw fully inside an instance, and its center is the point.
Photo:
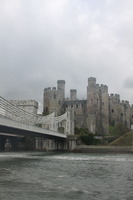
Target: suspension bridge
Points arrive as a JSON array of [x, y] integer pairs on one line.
[[15, 121]]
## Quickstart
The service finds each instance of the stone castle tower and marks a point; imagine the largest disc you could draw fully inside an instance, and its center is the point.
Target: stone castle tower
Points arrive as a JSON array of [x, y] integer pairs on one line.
[[96, 113], [53, 98], [97, 107], [120, 112]]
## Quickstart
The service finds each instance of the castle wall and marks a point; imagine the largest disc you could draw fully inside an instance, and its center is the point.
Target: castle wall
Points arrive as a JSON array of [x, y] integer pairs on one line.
[[50, 100], [131, 115], [114, 109], [30, 106], [96, 113], [120, 112], [73, 95], [125, 114], [61, 89], [53, 98], [79, 107], [92, 104], [97, 107], [104, 109]]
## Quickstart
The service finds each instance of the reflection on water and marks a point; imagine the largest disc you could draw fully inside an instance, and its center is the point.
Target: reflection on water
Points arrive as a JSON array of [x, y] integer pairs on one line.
[[38, 176]]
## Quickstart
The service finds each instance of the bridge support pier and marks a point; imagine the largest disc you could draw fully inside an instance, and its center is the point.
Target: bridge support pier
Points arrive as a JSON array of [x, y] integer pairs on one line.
[[50, 144], [56, 145], [8, 143], [2, 143], [71, 142]]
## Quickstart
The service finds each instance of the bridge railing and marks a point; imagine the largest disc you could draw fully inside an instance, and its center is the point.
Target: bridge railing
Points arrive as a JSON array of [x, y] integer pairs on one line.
[[50, 119], [11, 111], [45, 119]]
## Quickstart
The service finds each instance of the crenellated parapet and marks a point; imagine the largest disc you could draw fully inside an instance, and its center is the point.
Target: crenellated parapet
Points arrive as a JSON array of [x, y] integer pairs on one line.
[[120, 111], [96, 112], [50, 90], [103, 88], [97, 107], [79, 108], [125, 102], [73, 94], [114, 97], [53, 98], [61, 89], [27, 105]]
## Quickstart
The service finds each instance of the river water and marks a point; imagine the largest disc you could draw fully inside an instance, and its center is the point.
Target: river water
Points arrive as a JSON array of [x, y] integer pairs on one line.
[[50, 176]]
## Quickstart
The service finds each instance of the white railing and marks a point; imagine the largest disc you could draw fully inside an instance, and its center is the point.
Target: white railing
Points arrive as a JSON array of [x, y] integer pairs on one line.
[[15, 113], [11, 111]]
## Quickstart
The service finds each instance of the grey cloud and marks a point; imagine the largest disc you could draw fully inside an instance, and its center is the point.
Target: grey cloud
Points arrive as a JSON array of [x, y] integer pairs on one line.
[[128, 83], [43, 41]]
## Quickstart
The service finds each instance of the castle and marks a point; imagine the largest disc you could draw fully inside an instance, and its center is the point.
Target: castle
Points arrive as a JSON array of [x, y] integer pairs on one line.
[[96, 113]]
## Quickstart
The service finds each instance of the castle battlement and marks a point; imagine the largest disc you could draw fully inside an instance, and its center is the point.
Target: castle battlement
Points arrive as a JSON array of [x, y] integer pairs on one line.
[[73, 94], [92, 79], [47, 89], [60, 82], [125, 102], [53, 88], [104, 88], [91, 82], [24, 103], [27, 105], [53, 97], [114, 97], [96, 112], [50, 89]]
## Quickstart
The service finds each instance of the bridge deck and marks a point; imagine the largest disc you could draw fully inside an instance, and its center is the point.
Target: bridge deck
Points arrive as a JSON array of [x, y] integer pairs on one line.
[[19, 128]]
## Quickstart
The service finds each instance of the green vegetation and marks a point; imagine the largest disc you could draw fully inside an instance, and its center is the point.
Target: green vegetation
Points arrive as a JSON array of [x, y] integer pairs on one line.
[[114, 133], [124, 140], [80, 131], [86, 137], [118, 130]]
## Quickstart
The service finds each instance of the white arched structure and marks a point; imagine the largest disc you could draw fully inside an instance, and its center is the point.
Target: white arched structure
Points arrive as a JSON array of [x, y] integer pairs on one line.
[[63, 123]]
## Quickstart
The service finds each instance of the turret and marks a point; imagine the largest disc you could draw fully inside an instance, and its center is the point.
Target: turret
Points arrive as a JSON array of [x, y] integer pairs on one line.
[[97, 107], [104, 88], [114, 98], [61, 88], [73, 95], [91, 82]]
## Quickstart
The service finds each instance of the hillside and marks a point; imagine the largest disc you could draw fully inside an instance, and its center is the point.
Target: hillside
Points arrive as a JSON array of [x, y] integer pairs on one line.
[[124, 140]]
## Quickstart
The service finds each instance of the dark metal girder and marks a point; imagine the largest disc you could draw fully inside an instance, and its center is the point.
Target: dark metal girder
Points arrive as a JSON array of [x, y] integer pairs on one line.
[[11, 130]]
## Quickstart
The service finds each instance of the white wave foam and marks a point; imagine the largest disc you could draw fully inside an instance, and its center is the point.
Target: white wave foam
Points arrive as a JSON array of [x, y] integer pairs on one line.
[[91, 158]]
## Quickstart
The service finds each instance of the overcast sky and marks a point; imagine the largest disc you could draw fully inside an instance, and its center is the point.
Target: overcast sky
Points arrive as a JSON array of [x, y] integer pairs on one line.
[[42, 41]]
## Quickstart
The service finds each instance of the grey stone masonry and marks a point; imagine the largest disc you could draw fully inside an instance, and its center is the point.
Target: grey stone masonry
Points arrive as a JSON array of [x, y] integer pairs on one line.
[[96, 112], [30, 106]]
